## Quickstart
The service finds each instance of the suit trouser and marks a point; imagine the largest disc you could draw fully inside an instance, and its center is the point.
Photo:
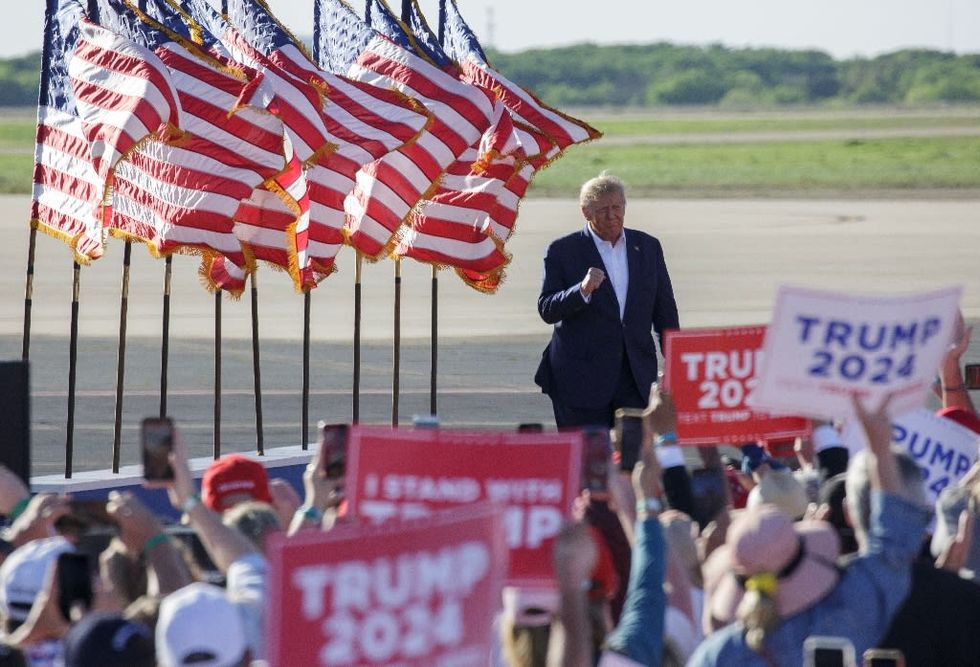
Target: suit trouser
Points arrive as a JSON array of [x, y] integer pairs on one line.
[[626, 395]]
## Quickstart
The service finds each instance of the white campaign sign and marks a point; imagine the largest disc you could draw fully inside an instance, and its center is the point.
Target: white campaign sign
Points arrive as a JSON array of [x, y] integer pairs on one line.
[[824, 346], [943, 449]]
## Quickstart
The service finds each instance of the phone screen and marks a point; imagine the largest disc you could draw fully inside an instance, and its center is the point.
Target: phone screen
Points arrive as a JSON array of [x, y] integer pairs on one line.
[[971, 376], [74, 582], [820, 651], [708, 488], [333, 449], [629, 437], [157, 437], [595, 459]]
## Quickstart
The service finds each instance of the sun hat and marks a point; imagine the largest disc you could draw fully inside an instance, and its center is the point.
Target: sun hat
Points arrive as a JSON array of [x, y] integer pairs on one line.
[[234, 475], [108, 640], [782, 489], [794, 562], [23, 573], [198, 625]]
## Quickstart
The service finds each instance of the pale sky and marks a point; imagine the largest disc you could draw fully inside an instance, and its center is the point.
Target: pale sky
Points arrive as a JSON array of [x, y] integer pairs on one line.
[[844, 28]]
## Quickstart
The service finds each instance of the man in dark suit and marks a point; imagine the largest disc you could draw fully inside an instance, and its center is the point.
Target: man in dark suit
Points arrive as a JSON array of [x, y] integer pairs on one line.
[[604, 288]]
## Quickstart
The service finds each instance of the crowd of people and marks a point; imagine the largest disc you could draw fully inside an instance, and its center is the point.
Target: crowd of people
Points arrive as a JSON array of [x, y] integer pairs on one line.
[[791, 553], [824, 545]]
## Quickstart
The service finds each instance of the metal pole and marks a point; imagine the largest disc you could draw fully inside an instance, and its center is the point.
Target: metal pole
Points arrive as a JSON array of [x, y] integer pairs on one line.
[[216, 445], [121, 357], [165, 344], [29, 296], [306, 368], [356, 408], [72, 368], [257, 367], [434, 356], [397, 344]]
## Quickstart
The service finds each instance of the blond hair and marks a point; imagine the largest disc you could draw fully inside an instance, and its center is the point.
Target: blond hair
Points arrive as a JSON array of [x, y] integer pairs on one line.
[[603, 184]]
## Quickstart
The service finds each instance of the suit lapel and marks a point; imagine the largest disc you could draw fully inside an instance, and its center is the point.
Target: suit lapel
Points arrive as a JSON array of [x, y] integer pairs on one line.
[[634, 259]]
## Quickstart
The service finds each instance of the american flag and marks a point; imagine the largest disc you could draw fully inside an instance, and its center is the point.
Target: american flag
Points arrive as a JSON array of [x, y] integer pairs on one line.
[[539, 124], [461, 44], [461, 113], [67, 191], [455, 227], [189, 195], [362, 125]]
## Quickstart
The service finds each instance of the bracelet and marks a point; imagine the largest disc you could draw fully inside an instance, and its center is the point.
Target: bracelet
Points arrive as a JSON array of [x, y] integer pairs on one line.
[[154, 542], [958, 387], [649, 505], [665, 438], [18, 509], [190, 503], [310, 513]]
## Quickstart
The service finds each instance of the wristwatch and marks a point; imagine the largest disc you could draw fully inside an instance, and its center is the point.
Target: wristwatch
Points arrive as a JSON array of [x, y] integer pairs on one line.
[[649, 505]]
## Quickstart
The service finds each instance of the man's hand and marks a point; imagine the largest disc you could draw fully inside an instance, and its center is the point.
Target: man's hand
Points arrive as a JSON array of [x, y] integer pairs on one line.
[[38, 518], [593, 278], [137, 524]]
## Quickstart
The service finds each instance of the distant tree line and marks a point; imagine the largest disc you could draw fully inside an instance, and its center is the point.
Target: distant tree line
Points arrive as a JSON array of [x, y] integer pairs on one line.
[[666, 74]]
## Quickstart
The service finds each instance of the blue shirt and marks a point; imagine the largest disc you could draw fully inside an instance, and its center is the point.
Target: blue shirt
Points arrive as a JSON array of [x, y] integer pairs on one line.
[[859, 608]]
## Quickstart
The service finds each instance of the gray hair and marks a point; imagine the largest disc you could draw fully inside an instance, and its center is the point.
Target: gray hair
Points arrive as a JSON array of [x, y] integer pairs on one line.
[[857, 487], [601, 185], [254, 519]]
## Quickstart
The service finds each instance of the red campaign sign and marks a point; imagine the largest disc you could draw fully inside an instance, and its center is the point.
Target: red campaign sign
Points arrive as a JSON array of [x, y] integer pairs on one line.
[[710, 374], [412, 593], [407, 473]]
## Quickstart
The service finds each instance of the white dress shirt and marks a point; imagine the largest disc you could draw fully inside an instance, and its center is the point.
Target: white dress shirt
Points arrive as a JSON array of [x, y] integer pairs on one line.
[[617, 266]]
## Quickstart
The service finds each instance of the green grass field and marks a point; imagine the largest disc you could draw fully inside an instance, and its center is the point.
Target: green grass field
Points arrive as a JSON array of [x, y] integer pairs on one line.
[[796, 122], [800, 167], [758, 168]]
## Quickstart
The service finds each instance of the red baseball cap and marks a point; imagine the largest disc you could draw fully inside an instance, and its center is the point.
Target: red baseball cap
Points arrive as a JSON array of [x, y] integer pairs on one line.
[[232, 475]]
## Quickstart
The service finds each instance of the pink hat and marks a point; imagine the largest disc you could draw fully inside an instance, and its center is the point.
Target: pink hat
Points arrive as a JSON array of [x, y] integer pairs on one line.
[[232, 475], [802, 557]]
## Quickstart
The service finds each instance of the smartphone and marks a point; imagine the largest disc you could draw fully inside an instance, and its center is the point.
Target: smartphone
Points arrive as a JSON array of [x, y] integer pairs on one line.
[[595, 459], [530, 427], [884, 657], [74, 582], [708, 488], [333, 449], [629, 437], [157, 441], [821, 651], [971, 376]]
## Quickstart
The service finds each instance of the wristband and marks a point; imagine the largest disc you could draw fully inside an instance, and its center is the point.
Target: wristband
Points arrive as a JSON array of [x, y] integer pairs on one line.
[[958, 387], [155, 541], [649, 506], [190, 503], [665, 438], [18, 509], [310, 513]]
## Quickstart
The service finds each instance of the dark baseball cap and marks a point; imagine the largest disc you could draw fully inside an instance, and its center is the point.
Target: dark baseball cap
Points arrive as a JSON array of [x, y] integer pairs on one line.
[[109, 640]]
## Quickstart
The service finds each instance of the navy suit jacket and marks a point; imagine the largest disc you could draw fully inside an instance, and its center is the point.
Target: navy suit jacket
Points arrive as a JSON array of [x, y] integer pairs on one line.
[[581, 365]]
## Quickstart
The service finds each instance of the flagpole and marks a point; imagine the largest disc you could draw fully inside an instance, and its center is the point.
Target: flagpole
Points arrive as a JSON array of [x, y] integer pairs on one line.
[[72, 368], [49, 10], [396, 344], [165, 342], [29, 289], [257, 367], [306, 368], [356, 408], [121, 357], [434, 336], [216, 445], [306, 292]]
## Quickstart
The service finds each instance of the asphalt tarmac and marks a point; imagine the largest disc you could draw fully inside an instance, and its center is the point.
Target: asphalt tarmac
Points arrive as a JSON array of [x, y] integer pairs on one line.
[[726, 258]]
